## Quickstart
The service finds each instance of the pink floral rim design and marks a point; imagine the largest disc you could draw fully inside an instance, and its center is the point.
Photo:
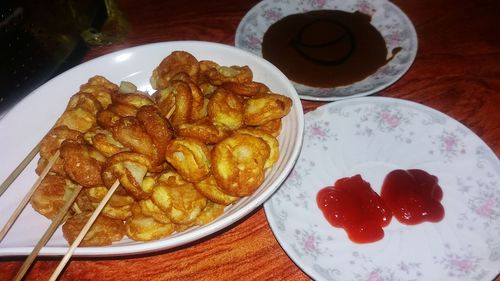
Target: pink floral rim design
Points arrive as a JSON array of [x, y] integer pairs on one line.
[[393, 24], [371, 136]]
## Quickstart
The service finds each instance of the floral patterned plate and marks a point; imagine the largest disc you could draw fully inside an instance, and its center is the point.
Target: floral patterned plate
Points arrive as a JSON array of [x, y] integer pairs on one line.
[[371, 136], [393, 24]]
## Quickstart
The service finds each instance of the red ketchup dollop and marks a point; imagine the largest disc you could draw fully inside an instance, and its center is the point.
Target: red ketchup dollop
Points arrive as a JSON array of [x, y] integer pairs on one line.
[[352, 204], [413, 196]]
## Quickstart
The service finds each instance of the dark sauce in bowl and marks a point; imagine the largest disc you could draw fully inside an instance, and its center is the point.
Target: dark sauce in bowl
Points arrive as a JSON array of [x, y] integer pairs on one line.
[[325, 48]]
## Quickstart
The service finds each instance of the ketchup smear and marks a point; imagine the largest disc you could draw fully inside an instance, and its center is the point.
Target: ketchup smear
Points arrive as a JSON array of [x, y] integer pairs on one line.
[[413, 196], [353, 205]]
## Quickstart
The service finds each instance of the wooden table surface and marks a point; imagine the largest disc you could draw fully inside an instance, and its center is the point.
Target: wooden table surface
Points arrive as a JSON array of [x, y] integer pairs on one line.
[[456, 71]]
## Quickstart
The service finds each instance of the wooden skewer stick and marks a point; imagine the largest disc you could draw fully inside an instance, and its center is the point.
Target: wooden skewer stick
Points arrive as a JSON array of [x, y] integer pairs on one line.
[[48, 234], [27, 197], [17, 171], [83, 232]]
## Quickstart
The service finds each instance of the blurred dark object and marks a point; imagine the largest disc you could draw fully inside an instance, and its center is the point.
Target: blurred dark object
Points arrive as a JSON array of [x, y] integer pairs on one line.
[[40, 39]]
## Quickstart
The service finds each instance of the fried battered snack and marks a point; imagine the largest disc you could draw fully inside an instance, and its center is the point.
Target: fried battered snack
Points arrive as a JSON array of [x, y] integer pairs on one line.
[[202, 141], [104, 141], [130, 168], [225, 109], [247, 89], [238, 164], [272, 142], [218, 75], [130, 132], [119, 206], [262, 109], [77, 119], [141, 227], [203, 130], [272, 127], [149, 208], [108, 118], [82, 163], [158, 128], [175, 63], [103, 232], [210, 189], [101, 88], [178, 198], [53, 139], [181, 102], [189, 157], [85, 101], [210, 213], [51, 194]]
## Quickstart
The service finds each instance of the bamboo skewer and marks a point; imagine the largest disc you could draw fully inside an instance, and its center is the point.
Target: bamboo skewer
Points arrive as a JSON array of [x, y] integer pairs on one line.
[[48, 234], [84, 231], [17, 171], [27, 197]]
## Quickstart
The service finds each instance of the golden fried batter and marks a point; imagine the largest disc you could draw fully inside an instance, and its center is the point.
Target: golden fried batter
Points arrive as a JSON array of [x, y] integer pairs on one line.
[[77, 119], [238, 164], [53, 139], [209, 188], [82, 163], [189, 157], [178, 198], [210, 213], [103, 232], [262, 109], [203, 130], [107, 118], [123, 109], [141, 227], [136, 99], [247, 89], [130, 132], [104, 141], [176, 62], [118, 207], [219, 75], [85, 101], [57, 168], [51, 194], [149, 208], [101, 88], [157, 127], [226, 109], [130, 168], [272, 142], [175, 102], [272, 127]]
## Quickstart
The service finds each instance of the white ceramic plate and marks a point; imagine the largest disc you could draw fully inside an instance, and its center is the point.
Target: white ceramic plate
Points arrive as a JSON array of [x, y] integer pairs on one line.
[[390, 21], [371, 136], [23, 126]]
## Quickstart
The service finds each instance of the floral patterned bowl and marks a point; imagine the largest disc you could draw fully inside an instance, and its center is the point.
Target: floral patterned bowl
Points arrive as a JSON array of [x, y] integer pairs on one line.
[[371, 136], [393, 24]]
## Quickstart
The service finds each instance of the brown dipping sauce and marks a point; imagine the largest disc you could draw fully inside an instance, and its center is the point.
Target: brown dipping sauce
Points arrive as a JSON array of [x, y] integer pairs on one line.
[[325, 48]]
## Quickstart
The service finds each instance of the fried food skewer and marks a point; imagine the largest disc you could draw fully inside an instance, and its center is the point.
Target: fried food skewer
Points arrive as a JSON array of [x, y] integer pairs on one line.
[[17, 171], [84, 231], [27, 197], [48, 234]]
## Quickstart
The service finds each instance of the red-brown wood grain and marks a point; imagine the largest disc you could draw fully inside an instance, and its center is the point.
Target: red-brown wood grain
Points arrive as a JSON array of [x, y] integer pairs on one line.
[[456, 71]]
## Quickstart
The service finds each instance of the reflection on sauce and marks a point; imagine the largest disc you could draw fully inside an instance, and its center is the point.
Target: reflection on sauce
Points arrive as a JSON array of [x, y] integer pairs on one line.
[[413, 196], [353, 205], [325, 48]]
